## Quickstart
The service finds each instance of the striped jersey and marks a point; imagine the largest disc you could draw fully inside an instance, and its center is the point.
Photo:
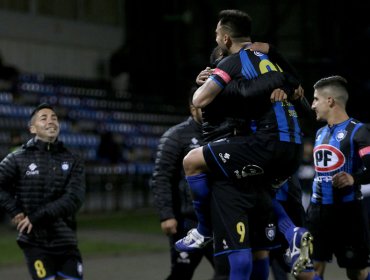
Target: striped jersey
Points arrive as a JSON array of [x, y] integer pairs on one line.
[[338, 148], [280, 121]]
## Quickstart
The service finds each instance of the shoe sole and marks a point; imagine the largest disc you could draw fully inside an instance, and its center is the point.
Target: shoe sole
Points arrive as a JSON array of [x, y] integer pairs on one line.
[[304, 256]]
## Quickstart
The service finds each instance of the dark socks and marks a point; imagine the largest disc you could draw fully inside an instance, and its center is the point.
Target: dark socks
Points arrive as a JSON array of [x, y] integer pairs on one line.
[[261, 269], [240, 265], [285, 224], [201, 201]]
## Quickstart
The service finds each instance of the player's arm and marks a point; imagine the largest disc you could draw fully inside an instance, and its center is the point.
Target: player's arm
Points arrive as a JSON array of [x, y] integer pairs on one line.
[[216, 82], [69, 202], [361, 177], [257, 88], [206, 93], [7, 194], [167, 169], [362, 139]]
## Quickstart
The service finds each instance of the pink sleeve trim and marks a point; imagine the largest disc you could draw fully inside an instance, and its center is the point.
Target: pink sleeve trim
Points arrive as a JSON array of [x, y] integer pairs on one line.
[[223, 75], [364, 151]]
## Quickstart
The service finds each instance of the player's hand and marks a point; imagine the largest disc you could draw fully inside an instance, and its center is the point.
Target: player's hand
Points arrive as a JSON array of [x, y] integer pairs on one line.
[[169, 226], [24, 225], [342, 179], [17, 218], [203, 76], [278, 95], [259, 47], [298, 93]]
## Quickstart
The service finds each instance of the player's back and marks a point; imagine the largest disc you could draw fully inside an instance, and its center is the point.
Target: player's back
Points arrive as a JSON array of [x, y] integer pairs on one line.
[[279, 120]]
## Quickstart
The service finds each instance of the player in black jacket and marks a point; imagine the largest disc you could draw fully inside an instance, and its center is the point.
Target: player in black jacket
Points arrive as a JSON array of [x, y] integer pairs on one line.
[[172, 196], [42, 186]]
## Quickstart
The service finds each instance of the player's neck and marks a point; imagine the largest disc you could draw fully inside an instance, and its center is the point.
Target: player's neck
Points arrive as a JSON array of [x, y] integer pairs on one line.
[[236, 47], [337, 117]]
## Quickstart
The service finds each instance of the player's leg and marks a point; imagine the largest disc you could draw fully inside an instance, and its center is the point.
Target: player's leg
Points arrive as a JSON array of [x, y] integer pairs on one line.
[[321, 224], [40, 263], [183, 264], [299, 239], [231, 206], [354, 249], [195, 167], [234, 159], [264, 232], [261, 265]]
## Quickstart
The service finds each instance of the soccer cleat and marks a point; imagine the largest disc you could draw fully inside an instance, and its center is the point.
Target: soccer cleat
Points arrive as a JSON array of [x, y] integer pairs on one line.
[[300, 250], [192, 241]]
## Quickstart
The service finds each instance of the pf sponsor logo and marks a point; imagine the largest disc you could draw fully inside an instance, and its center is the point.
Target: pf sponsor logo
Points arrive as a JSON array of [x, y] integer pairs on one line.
[[327, 158]]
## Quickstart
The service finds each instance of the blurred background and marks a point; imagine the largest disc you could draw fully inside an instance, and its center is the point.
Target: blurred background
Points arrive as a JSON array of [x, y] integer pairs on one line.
[[119, 72]]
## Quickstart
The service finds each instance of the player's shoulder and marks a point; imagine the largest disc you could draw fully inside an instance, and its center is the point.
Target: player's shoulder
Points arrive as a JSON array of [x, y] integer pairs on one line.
[[177, 129], [230, 59]]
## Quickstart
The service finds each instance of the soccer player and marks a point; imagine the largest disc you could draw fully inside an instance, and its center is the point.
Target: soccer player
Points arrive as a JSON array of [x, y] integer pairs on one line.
[[42, 186], [241, 157], [336, 215], [172, 196]]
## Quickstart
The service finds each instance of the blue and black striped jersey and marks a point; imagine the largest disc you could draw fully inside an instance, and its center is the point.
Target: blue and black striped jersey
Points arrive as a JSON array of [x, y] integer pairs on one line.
[[340, 147], [280, 121]]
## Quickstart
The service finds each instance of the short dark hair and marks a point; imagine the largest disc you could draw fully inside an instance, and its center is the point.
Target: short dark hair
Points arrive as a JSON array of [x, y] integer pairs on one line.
[[337, 86], [40, 107], [337, 81], [237, 22]]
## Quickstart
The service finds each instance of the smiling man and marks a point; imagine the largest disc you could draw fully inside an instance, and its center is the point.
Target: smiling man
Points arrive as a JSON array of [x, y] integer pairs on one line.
[[42, 186]]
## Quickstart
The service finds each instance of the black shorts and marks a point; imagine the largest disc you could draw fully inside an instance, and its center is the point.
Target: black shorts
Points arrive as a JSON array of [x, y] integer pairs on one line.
[[263, 222], [241, 218], [44, 263], [243, 157], [340, 229]]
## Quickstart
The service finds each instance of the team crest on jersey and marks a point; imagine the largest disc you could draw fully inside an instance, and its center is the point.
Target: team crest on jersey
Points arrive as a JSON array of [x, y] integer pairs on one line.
[[65, 166], [258, 53], [327, 158], [270, 231], [341, 135]]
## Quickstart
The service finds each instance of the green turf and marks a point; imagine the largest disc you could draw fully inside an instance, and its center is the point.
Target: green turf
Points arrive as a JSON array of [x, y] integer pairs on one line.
[[132, 221], [145, 221]]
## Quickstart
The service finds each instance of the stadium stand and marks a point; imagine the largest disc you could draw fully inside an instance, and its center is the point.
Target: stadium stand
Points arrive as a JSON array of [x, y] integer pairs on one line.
[[88, 108]]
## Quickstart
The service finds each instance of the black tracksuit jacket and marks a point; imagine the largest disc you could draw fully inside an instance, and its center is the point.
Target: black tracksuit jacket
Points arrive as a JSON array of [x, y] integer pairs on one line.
[[47, 183], [171, 193]]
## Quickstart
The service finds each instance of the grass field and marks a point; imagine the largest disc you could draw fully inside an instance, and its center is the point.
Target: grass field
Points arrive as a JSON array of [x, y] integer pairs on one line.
[[143, 221]]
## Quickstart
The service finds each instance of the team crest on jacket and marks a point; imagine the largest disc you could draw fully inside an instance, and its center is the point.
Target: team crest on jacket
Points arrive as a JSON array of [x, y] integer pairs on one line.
[[341, 135], [65, 166], [327, 158]]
